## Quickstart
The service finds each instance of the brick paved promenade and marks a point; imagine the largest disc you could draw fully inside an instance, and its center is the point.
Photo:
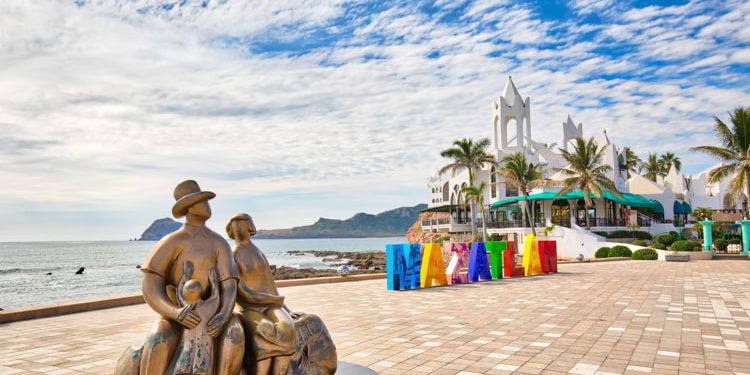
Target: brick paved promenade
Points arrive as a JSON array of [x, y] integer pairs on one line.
[[619, 317]]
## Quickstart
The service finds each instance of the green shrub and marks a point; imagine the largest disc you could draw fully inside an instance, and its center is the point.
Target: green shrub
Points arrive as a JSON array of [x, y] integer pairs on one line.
[[682, 245], [645, 254], [495, 237], [638, 243], [721, 244], [697, 245], [659, 246], [734, 241], [619, 251], [626, 234], [600, 233], [443, 239], [603, 252], [666, 239]]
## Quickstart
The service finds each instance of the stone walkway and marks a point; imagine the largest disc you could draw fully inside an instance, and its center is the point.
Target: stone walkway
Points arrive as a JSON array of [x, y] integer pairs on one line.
[[606, 318]]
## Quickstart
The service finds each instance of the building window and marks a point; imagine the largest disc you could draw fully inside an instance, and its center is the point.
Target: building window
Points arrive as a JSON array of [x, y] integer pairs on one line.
[[511, 191], [493, 183]]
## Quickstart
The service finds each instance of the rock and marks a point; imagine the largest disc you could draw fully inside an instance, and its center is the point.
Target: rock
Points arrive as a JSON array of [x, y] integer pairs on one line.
[[159, 229], [80, 271], [49, 273]]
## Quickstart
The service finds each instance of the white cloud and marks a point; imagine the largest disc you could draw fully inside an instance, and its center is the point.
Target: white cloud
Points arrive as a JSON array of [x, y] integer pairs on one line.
[[104, 109]]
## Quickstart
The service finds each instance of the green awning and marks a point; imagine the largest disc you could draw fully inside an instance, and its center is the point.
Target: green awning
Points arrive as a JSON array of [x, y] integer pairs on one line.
[[677, 208], [632, 200], [686, 209]]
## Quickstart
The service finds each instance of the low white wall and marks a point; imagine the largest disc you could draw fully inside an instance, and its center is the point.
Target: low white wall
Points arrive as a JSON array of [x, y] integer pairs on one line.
[[576, 240], [694, 255]]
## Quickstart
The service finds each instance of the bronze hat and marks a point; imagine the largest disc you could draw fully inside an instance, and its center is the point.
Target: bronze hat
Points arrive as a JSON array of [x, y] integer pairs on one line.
[[187, 193]]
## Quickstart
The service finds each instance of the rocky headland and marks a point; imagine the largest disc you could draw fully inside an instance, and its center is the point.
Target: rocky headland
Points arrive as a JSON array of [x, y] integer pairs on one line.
[[359, 263]]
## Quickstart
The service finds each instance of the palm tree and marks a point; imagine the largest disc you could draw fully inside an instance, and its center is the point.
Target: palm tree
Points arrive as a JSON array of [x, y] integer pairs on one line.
[[653, 167], [524, 176], [668, 160], [734, 154], [586, 172], [629, 161], [466, 153], [475, 195]]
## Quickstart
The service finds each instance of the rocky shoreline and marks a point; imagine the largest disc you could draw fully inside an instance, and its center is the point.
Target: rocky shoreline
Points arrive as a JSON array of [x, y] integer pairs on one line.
[[359, 263]]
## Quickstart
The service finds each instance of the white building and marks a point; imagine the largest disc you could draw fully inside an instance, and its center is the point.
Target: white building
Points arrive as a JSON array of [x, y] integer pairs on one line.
[[657, 206]]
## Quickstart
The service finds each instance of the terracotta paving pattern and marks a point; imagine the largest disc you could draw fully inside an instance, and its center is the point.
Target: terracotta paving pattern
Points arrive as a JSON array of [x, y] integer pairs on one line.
[[629, 317]]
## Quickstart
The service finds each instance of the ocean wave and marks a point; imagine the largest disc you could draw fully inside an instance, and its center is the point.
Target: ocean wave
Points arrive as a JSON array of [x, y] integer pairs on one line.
[[11, 270]]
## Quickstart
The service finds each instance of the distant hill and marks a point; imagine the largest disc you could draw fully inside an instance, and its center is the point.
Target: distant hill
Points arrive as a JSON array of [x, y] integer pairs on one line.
[[389, 223], [159, 229]]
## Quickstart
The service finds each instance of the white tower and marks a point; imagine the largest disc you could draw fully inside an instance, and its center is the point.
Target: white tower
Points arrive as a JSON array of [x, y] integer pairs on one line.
[[512, 107]]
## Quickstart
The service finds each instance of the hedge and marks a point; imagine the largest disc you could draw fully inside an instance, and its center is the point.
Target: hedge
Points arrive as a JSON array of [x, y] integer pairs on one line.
[[683, 245], [639, 243], [659, 246], [645, 254], [666, 239], [625, 234], [603, 252], [619, 251], [734, 241], [721, 244]]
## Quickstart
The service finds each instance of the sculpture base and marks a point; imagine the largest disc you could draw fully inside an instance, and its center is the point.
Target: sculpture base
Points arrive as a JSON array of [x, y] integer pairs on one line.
[[346, 368]]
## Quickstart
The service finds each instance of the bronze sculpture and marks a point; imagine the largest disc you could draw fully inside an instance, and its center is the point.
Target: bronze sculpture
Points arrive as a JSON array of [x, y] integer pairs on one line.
[[191, 280], [281, 338]]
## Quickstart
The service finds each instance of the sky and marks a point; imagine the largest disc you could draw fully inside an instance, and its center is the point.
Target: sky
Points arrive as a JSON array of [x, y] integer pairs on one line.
[[294, 110]]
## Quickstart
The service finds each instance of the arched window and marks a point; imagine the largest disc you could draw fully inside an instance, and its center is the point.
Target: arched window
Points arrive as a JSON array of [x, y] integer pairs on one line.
[[493, 182], [446, 191]]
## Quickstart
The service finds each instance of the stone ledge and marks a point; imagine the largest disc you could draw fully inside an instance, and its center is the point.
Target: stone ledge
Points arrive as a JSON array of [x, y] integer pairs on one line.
[[594, 260], [46, 311]]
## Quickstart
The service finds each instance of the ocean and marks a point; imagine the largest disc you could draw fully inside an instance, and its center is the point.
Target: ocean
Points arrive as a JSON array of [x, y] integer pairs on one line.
[[111, 266]]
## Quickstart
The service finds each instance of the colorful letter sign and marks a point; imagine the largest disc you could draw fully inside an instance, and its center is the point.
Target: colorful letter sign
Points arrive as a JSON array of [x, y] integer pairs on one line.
[[479, 265], [548, 256], [411, 266], [496, 249], [432, 272], [531, 263], [459, 260], [403, 262]]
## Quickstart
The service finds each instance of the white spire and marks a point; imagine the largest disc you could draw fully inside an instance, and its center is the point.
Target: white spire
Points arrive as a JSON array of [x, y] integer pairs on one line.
[[570, 131], [511, 106], [511, 93]]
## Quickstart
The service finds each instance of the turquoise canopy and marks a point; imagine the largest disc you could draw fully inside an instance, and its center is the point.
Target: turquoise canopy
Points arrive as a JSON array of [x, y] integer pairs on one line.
[[681, 208], [632, 200]]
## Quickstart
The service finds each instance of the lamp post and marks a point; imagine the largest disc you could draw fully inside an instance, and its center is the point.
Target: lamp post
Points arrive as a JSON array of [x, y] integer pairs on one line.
[[707, 234]]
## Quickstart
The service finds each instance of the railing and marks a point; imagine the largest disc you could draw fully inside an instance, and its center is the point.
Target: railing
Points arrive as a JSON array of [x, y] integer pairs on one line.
[[513, 224], [601, 222], [433, 222]]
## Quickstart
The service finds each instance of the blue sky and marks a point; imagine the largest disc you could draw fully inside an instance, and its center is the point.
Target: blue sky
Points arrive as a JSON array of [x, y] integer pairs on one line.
[[295, 110]]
